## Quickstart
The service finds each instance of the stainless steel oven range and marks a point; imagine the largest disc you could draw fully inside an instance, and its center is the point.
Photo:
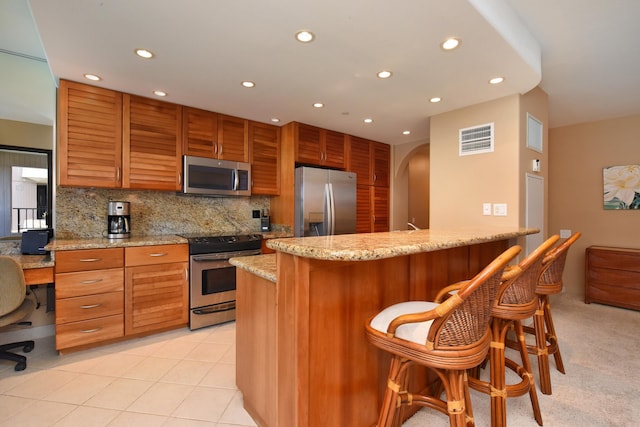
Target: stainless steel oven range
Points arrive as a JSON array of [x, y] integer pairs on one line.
[[212, 280]]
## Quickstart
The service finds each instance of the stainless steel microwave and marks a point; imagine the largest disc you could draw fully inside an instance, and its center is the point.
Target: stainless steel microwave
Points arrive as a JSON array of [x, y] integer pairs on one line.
[[215, 177]]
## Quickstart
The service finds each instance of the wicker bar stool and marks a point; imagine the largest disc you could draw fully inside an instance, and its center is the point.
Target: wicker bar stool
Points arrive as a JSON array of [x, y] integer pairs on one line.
[[550, 283], [516, 300], [448, 338]]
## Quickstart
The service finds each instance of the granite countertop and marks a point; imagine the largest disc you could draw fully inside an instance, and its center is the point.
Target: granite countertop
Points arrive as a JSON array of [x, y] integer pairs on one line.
[[102, 243], [34, 261], [371, 246], [261, 265]]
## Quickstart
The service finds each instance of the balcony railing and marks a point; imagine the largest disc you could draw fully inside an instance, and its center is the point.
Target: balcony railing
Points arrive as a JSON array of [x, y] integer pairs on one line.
[[28, 219]]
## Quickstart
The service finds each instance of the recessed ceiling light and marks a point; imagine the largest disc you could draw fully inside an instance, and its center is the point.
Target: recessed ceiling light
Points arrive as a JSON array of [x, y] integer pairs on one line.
[[450, 43], [159, 93], [144, 53], [368, 120], [304, 36], [435, 99], [275, 120], [318, 104], [384, 74], [93, 77], [406, 132], [496, 80], [248, 83]]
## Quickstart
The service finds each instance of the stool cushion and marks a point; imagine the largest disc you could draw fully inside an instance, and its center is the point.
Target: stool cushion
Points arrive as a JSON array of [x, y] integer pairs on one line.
[[414, 332]]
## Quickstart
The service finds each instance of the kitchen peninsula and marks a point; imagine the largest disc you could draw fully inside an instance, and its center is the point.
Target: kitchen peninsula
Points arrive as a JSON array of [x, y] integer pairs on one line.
[[302, 355]]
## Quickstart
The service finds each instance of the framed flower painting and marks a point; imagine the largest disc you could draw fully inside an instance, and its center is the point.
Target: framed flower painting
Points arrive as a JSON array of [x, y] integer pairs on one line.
[[622, 187]]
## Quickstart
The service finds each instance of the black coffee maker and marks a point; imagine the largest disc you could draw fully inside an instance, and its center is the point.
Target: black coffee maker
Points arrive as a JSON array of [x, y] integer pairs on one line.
[[118, 220]]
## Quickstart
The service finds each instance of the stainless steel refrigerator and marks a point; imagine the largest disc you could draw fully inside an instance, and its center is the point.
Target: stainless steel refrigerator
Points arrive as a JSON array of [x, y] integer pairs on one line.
[[325, 202]]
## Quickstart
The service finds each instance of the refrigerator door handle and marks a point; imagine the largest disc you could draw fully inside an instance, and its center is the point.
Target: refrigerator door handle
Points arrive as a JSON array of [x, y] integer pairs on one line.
[[331, 211]]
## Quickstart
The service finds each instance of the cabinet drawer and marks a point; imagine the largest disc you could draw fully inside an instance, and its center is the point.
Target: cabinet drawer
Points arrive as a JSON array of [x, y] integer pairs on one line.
[[616, 259], [89, 307], [89, 282], [89, 331], [157, 254], [89, 259], [605, 293]]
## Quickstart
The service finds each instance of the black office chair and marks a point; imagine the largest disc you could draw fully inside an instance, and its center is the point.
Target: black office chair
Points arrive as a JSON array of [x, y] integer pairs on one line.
[[14, 306]]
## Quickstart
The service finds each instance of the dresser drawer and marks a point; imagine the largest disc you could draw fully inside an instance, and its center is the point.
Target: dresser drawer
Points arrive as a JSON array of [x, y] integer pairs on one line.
[[89, 331], [89, 307], [89, 282], [157, 254], [89, 259]]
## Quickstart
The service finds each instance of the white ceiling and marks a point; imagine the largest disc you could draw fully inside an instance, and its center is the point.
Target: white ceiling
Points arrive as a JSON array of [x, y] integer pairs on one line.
[[581, 52]]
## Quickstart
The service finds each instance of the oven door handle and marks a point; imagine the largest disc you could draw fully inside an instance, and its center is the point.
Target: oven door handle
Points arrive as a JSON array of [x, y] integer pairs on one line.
[[223, 255]]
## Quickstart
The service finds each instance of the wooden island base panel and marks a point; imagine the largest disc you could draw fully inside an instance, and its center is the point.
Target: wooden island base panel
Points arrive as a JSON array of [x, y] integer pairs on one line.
[[302, 355]]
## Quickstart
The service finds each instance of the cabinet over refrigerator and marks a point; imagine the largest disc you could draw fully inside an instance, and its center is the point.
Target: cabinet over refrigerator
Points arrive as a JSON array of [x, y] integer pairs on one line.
[[325, 202]]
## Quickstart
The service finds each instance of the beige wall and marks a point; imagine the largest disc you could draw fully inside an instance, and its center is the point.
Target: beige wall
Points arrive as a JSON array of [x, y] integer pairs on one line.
[[461, 184], [535, 102], [577, 155], [21, 134]]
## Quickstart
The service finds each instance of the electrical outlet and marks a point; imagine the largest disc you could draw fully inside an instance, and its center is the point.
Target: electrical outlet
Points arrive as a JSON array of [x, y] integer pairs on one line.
[[486, 209], [256, 213], [565, 234], [500, 209]]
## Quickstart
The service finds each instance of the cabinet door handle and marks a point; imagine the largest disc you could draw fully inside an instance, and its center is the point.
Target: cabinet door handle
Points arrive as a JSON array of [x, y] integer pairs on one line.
[[179, 179], [118, 173], [88, 331], [158, 254], [85, 307], [90, 259], [90, 282]]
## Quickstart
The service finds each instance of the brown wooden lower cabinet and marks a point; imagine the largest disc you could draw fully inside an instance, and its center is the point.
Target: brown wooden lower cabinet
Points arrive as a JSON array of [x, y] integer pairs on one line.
[[107, 294], [612, 276]]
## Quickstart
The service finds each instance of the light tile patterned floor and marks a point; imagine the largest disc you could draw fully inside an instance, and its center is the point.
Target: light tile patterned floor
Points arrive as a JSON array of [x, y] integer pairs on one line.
[[177, 378]]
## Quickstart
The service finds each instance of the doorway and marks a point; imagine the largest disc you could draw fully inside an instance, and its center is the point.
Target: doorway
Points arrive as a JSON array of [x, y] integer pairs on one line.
[[418, 192]]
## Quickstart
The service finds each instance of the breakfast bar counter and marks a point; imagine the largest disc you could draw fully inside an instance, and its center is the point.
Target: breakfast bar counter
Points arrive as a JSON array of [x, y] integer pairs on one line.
[[302, 355]]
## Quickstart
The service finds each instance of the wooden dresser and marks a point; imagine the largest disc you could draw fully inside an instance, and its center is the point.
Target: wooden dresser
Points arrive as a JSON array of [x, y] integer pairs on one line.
[[612, 276]]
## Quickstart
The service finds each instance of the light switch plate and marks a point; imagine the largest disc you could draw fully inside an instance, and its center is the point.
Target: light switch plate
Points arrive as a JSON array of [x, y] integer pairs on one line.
[[486, 209], [564, 234], [500, 209]]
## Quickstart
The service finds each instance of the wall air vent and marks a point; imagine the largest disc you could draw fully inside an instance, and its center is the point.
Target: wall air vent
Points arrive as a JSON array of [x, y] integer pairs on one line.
[[476, 139]]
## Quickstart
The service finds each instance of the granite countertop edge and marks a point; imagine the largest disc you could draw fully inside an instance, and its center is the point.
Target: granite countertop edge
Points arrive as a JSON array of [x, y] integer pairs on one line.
[[261, 265], [372, 246], [104, 243]]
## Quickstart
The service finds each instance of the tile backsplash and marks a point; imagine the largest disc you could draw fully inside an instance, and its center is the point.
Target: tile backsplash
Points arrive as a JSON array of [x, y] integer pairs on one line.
[[81, 213]]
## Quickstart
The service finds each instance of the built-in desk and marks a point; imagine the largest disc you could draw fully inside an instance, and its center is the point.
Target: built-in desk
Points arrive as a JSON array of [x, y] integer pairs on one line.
[[38, 269], [302, 358]]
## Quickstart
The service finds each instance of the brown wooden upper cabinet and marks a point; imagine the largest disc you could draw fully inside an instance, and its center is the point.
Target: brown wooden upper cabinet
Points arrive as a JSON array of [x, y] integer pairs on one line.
[[360, 160], [152, 151], [320, 147], [370, 161], [90, 136], [114, 140], [199, 132], [264, 140], [215, 136], [233, 138], [381, 164]]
